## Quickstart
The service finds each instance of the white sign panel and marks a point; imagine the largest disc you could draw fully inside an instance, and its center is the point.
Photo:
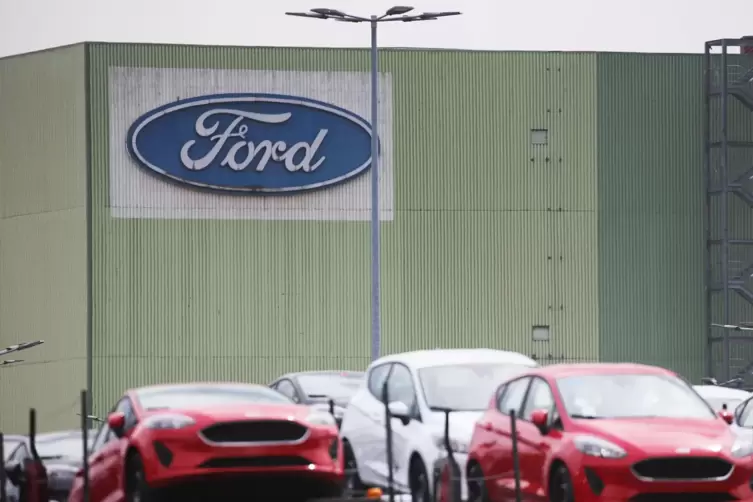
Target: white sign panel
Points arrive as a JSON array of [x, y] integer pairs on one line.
[[246, 144]]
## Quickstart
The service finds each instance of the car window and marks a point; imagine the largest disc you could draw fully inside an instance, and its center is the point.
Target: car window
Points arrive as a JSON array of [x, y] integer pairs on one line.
[[20, 454], [746, 416], [286, 388], [9, 446], [465, 386], [171, 397], [125, 407], [400, 387], [377, 377], [512, 399], [627, 395], [69, 447], [539, 398], [338, 386]]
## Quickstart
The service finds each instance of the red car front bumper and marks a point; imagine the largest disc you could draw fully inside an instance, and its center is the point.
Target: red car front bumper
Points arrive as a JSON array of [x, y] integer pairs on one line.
[[174, 455], [600, 480]]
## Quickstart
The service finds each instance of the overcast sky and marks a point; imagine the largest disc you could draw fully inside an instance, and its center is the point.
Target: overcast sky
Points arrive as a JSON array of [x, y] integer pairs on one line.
[[566, 25]]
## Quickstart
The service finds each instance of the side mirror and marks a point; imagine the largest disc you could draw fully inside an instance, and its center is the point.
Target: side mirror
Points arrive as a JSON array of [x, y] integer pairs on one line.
[[14, 473], [727, 416], [116, 423], [400, 411], [540, 418]]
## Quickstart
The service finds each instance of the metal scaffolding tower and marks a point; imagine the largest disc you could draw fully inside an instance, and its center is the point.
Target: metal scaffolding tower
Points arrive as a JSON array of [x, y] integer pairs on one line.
[[728, 120]]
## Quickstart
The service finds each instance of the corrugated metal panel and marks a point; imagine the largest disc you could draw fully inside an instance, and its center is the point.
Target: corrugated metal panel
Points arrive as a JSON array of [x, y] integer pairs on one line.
[[651, 210], [43, 236], [488, 236]]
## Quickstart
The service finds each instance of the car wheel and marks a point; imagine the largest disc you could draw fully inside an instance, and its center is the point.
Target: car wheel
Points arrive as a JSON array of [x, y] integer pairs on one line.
[[137, 489], [419, 482], [477, 485], [561, 485], [353, 484]]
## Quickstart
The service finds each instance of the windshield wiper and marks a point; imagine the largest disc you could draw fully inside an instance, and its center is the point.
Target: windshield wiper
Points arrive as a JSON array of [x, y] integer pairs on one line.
[[585, 417]]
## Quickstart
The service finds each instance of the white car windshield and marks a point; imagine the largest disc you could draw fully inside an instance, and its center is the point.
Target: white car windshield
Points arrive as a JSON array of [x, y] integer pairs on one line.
[[339, 387], [199, 396], [66, 447], [464, 387], [626, 395]]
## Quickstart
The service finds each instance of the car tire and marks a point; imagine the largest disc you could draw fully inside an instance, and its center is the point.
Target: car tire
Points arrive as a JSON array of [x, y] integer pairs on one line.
[[354, 487], [561, 485], [419, 482], [476, 485], [137, 489]]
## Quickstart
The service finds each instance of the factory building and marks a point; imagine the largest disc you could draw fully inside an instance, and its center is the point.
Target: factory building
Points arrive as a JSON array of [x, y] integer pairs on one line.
[[173, 213]]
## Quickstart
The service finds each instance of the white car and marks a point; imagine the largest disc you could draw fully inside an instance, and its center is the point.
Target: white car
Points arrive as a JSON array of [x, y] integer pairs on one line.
[[420, 384], [717, 396]]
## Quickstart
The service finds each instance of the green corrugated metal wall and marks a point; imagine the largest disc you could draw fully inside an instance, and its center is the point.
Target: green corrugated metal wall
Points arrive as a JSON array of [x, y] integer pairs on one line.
[[491, 235], [43, 236], [651, 210]]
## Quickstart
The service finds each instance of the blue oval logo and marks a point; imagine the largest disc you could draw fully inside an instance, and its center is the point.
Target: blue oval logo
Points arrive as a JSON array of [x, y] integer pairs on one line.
[[252, 143]]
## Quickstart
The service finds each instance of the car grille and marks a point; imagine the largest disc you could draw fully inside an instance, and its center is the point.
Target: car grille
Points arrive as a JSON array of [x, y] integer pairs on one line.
[[255, 431], [683, 497], [282, 461], [683, 468]]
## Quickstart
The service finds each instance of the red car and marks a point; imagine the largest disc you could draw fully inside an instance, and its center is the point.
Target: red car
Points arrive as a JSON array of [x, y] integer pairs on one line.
[[597, 432], [222, 439]]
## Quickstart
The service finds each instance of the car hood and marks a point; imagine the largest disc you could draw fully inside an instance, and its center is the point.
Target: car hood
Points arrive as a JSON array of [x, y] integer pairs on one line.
[[662, 435], [244, 412], [461, 424]]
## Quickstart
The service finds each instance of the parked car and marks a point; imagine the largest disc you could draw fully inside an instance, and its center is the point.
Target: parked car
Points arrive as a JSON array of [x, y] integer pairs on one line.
[[317, 388], [720, 397], [62, 454], [164, 437], [420, 385], [591, 432], [15, 451], [26, 475]]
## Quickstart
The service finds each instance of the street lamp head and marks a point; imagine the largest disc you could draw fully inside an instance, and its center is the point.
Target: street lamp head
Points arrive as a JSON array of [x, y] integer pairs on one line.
[[306, 14], [398, 10], [328, 12], [430, 16]]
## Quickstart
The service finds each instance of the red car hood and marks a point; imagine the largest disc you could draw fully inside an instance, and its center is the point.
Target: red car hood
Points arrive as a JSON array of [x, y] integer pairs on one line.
[[657, 435], [243, 412]]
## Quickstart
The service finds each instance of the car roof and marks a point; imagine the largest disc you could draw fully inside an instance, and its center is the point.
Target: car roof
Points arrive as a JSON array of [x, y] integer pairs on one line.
[[15, 437], [717, 391], [441, 357], [347, 373], [53, 436], [565, 370]]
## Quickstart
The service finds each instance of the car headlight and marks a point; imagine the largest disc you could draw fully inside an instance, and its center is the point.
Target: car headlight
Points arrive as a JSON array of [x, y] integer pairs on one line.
[[168, 421], [597, 447], [321, 418], [742, 448], [456, 445]]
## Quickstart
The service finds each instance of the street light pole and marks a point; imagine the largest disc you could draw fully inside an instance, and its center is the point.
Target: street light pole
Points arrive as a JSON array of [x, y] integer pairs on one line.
[[397, 13], [376, 241]]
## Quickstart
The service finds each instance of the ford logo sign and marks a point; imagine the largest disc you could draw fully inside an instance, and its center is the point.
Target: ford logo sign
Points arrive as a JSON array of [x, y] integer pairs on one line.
[[252, 143]]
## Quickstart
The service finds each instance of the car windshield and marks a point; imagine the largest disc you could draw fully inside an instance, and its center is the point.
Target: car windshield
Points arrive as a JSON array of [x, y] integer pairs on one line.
[[200, 396], [464, 387], [63, 447], [718, 403], [339, 387], [9, 446], [631, 396]]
